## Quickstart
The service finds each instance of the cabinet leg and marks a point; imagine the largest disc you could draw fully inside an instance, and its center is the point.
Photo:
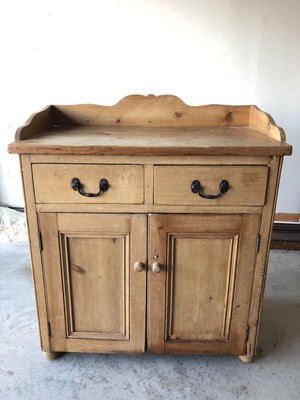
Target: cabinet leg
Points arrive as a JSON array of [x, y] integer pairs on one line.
[[51, 355], [247, 359]]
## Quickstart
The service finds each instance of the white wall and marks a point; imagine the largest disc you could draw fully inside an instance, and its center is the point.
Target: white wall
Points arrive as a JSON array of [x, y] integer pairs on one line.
[[93, 51]]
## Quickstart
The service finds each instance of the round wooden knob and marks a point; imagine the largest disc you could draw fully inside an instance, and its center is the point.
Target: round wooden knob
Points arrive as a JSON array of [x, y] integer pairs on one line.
[[156, 268], [138, 266]]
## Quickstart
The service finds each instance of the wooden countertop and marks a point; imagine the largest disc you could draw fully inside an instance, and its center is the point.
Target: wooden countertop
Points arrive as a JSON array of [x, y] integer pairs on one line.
[[213, 140]]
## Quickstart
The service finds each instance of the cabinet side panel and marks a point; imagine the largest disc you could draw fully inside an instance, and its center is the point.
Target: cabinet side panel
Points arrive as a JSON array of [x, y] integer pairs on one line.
[[263, 255], [35, 255]]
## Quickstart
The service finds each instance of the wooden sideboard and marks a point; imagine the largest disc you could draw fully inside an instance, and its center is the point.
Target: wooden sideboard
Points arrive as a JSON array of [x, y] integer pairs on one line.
[[149, 224]]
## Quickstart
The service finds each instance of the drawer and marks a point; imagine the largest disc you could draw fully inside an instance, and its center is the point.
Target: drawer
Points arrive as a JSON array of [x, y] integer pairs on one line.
[[52, 183], [247, 185]]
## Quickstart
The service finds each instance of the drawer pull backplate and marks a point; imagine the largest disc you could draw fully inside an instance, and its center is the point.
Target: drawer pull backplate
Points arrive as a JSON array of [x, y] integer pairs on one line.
[[196, 188], [77, 186]]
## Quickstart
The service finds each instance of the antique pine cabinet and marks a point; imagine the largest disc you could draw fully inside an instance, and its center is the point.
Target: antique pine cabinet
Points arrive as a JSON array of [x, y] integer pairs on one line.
[[149, 224]]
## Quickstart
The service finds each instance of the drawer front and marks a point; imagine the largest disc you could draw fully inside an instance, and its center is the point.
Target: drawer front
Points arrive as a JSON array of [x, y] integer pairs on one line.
[[52, 183], [247, 185]]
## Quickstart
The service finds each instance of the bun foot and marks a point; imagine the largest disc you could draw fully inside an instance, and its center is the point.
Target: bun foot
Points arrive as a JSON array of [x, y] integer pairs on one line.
[[51, 355], [246, 359]]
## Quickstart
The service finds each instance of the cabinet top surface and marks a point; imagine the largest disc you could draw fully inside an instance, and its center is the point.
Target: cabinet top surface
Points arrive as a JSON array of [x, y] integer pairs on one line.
[[151, 125]]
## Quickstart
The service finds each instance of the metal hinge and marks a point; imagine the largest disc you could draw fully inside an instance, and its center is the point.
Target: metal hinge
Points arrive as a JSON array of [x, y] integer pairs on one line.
[[247, 333], [49, 330], [41, 241], [258, 242]]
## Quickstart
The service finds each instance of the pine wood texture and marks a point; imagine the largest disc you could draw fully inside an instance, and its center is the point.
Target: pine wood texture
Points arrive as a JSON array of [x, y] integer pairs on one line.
[[35, 255], [287, 217], [37, 122], [151, 141], [96, 300], [149, 265], [247, 185], [53, 183], [262, 258], [51, 355], [204, 287], [150, 126], [150, 161]]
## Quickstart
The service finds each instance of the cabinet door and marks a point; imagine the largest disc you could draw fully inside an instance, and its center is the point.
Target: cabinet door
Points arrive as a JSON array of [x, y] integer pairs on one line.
[[199, 300], [96, 300]]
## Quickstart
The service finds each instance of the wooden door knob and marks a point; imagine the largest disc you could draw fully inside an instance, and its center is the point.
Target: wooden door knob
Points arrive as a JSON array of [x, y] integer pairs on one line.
[[138, 266], [156, 267]]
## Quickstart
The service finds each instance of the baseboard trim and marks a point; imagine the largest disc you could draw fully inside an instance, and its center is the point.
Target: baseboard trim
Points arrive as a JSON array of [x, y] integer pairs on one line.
[[286, 236], [287, 217]]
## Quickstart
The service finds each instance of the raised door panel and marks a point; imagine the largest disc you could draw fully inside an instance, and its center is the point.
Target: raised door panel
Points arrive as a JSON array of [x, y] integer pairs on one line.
[[199, 302], [96, 301], [200, 286], [96, 279]]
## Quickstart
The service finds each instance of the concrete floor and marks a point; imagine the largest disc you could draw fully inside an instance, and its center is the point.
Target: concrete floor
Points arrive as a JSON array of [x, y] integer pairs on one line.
[[25, 374]]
